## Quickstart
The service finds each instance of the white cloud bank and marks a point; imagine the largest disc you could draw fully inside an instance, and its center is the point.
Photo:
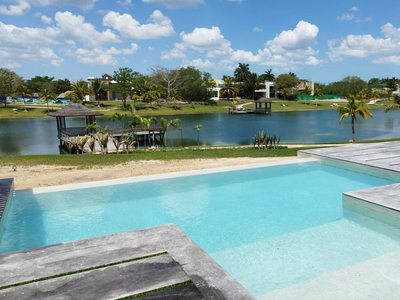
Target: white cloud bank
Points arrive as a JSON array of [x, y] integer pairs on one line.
[[176, 3], [21, 7]]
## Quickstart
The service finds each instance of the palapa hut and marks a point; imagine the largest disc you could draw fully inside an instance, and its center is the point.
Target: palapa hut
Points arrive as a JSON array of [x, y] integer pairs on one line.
[[263, 106], [73, 110]]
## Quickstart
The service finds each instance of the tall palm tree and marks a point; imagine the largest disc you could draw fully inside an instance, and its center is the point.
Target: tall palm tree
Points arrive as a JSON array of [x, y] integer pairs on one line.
[[166, 125], [352, 109], [252, 83], [47, 95], [267, 76], [197, 128], [147, 125], [229, 89], [394, 105], [98, 87], [24, 92], [79, 90], [242, 72]]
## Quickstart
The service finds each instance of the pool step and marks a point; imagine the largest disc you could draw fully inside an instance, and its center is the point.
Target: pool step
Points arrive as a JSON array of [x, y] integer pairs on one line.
[[114, 282], [6, 189]]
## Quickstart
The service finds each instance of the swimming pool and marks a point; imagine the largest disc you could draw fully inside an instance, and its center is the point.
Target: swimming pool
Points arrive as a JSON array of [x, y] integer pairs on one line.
[[269, 227]]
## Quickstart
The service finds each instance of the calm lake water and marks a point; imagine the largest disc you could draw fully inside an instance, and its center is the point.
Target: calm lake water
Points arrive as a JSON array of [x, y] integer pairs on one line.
[[39, 136]]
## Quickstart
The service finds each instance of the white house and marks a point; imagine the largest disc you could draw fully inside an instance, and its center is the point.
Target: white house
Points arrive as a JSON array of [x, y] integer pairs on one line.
[[106, 95]]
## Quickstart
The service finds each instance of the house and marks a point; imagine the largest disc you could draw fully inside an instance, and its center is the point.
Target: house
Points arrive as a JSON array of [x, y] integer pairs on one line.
[[109, 94]]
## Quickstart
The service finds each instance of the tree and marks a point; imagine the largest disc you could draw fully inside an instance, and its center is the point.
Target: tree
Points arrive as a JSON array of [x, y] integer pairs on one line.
[[390, 83], [267, 76], [394, 105], [351, 110], [286, 81], [197, 128], [166, 125], [252, 83], [242, 72], [98, 87], [38, 83], [9, 81], [23, 92], [61, 86], [125, 85], [375, 83], [229, 89], [166, 79], [194, 87], [147, 125], [47, 95], [79, 90]]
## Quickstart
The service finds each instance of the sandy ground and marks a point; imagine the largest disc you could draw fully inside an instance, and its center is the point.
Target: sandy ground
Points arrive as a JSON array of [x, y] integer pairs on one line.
[[43, 175]]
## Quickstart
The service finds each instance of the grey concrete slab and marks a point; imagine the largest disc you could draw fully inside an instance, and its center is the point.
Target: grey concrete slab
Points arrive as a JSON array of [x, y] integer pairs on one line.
[[181, 293], [107, 283], [6, 189], [210, 278]]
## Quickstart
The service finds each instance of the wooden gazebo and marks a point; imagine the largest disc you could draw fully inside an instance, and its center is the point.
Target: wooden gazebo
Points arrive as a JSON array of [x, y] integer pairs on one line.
[[73, 110], [263, 106]]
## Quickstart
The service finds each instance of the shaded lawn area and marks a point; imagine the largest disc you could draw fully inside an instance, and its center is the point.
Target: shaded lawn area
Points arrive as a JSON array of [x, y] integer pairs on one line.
[[90, 160]]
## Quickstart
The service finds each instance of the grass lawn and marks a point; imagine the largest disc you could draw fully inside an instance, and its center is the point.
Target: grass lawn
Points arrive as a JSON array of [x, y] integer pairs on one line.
[[108, 108], [89, 160]]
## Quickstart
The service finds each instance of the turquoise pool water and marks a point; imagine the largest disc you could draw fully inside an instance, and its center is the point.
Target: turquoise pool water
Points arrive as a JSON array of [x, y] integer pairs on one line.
[[269, 227]]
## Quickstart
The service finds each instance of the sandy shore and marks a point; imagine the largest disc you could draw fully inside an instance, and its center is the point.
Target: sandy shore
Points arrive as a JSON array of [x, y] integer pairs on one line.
[[43, 175]]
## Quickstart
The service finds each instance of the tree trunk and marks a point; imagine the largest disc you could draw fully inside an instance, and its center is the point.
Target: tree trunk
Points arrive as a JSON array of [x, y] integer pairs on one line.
[[352, 128], [48, 110]]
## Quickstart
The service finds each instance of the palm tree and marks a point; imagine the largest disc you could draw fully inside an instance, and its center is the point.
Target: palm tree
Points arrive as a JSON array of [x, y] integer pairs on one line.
[[252, 83], [47, 95], [117, 116], [147, 125], [229, 89], [242, 72], [197, 128], [352, 109], [395, 105], [79, 90], [24, 92], [267, 76], [98, 87], [166, 125]]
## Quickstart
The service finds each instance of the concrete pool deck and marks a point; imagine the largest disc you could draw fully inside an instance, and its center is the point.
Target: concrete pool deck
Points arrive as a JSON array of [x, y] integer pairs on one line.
[[117, 266]]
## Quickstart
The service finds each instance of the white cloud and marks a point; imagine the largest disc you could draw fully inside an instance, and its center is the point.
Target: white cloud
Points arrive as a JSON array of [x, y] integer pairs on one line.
[[176, 3], [175, 53], [199, 63], [204, 39], [346, 17], [363, 46], [388, 60], [124, 2], [301, 38], [159, 26], [72, 26], [19, 9], [366, 19], [46, 20], [354, 8], [257, 29], [150, 48], [15, 49]]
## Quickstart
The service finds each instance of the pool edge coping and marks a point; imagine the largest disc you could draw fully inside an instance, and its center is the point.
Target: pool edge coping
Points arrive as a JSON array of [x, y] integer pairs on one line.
[[126, 180]]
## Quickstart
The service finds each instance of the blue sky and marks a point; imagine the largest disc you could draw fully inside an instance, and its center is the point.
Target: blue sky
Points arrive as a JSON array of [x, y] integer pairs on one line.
[[323, 41]]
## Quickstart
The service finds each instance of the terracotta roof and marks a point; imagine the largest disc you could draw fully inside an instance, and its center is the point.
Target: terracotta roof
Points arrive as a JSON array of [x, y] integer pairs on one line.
[[74, 110]]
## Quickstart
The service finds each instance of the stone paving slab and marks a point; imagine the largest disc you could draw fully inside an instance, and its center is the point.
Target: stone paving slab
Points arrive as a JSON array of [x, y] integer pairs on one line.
[[180, 293], [6, 188], [210, 278], [107, 283]]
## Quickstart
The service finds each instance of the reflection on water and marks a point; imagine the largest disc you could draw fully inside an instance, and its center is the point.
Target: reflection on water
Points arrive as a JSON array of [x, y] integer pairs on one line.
[[39, 136]]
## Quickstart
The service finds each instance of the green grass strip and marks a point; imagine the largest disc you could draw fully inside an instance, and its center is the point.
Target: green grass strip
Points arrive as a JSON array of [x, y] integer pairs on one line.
[[166, 288], [81, 271]]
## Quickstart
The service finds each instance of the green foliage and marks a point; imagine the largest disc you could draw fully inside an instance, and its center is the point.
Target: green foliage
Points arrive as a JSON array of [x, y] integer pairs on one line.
[[195, 85], [98, 87], [38, 83], [47, 95], [350, 85], [9, 81], [267, 76], [78, 91], [394, 105], [126, 80], [229, 89], [242, 72], [61, 86], [286, 84], [352, 109]]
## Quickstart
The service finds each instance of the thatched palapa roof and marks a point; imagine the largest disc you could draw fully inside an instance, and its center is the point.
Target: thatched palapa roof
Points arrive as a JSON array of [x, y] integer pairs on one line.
[[263, 100], [74, 110]]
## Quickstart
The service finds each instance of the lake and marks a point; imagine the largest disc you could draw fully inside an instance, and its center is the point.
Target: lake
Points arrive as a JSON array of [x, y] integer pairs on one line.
[[39, 136]]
